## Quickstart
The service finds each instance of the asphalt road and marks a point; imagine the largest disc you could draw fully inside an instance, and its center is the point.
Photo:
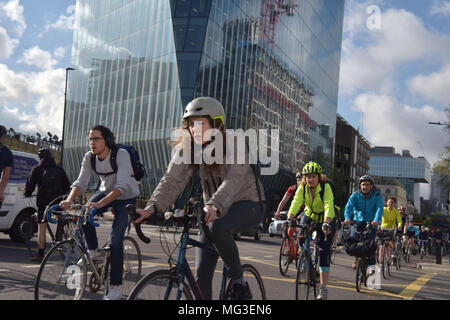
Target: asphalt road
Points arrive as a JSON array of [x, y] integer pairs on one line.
[[17, 273]]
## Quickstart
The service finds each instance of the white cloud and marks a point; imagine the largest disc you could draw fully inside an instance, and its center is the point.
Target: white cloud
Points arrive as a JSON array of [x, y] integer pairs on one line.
[[38, 58], [33, 101], [441, 8], [14, 11], [59, 52], [387, 122], [433, 87], [372, 58], [64, 22], [7, 45]]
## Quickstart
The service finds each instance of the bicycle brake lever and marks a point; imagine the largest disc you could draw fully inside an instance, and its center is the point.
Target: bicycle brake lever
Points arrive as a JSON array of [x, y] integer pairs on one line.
[[133, 215]]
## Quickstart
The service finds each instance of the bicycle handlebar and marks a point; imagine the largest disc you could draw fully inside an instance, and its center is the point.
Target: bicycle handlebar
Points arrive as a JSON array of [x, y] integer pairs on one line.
[[52, 209], [133, 215], [50, 212]]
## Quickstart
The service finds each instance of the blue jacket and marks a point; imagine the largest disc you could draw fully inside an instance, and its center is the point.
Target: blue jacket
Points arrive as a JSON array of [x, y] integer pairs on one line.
[[367, 210]]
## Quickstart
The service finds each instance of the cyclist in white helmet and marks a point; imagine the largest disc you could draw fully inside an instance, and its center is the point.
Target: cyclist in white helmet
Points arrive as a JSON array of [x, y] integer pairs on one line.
[[230, 192]]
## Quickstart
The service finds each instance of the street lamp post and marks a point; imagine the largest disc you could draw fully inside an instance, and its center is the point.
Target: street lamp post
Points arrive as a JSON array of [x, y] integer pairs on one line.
[[64, 116]]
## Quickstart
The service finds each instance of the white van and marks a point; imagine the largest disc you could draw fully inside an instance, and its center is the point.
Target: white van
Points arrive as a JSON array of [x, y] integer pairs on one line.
[[16, 209]]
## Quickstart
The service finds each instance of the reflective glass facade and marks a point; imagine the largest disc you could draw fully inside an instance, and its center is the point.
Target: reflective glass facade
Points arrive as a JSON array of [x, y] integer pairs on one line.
[[408, 170], [273, 64]]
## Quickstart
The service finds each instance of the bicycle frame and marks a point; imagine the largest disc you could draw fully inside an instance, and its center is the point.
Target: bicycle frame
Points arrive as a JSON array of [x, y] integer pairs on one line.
[[185, 271], [290, 232], [307, 247], [79, 241]]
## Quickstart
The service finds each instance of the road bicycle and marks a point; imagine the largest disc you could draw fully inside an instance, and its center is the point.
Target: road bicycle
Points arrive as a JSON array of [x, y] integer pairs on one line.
[[398, 250], [308, 276], [422, 250], [360, 247], [290, 248], [178, 282], [385, 251], [63, 273], [407, 254]]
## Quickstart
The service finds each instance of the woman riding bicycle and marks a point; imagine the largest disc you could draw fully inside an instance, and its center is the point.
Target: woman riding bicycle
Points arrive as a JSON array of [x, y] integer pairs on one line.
[[320, 211], [391, 220], [230, 193]]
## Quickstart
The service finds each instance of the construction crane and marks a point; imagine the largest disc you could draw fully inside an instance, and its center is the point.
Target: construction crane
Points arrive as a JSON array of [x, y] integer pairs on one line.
[[420, 145], [270, 11]]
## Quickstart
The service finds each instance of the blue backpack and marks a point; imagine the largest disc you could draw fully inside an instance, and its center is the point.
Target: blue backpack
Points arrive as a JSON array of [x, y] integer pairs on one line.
[[136, 164]]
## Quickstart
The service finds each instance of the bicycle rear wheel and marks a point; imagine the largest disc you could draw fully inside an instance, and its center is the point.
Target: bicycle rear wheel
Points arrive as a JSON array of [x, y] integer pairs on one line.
[[154, 286], [255, 283], [285, 256], [60, 277]]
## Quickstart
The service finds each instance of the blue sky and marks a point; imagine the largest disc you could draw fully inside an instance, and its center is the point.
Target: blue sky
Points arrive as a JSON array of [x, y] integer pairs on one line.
[[397, 74], [35, 47]]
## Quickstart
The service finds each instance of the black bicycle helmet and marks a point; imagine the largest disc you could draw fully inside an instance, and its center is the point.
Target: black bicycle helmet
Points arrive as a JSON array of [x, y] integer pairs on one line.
[[298, 175], [366, 178], [44, 152]]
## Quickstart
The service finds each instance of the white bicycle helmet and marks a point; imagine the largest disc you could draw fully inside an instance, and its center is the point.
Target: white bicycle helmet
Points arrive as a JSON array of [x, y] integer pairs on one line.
[[205, 106]]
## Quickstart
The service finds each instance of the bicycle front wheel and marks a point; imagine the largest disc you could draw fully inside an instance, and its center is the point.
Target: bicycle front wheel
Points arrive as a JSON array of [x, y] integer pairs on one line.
[[305, 284], [160, 285], [285, 256], [361, 270], [333, 254], [384, 263], [254, 281], [132, 264], [60, 276]]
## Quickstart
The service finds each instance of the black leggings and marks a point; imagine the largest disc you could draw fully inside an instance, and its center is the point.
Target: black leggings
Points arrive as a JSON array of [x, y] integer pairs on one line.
[[241, 216]]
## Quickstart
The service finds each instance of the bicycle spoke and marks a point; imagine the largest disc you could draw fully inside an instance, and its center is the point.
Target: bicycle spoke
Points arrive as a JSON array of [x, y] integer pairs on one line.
[[59, 278]]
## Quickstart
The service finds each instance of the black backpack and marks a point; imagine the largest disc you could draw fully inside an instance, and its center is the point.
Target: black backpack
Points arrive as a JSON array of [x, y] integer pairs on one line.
[[138, 167], [53, 183]]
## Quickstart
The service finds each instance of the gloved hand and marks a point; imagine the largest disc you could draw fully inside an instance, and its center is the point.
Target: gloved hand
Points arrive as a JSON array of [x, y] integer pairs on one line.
[[326, 228]]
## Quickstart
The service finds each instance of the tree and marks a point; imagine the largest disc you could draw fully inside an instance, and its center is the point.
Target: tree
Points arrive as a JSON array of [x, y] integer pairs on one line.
[[443, 164]]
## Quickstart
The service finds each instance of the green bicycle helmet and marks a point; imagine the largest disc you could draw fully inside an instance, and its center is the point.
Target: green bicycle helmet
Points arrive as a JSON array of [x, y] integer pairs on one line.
[[312, 167], [205, 106]]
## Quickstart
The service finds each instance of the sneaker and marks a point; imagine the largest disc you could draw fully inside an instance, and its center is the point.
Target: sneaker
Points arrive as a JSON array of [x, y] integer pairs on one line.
[[323, 293], [114, 293], [37, 258], [240, 292]]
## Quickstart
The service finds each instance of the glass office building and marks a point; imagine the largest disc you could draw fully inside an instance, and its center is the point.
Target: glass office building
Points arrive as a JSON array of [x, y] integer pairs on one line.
[[384, 162], [274, 64]]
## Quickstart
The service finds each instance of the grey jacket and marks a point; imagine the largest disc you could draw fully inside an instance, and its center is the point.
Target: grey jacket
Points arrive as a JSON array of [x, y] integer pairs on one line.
[[122, 180], [232, 183]]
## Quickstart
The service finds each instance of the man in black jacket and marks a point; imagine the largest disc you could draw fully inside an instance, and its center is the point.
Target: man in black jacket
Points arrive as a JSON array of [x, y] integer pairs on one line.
[[52, 182]]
